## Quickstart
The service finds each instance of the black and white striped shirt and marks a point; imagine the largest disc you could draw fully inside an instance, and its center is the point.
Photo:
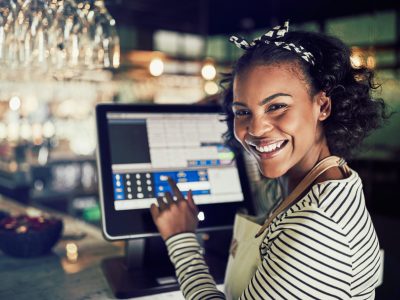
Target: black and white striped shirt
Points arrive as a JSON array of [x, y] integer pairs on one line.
[[323, 247]]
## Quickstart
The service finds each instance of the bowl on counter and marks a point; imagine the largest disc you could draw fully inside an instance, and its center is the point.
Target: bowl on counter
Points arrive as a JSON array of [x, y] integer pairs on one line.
[[26, 236]]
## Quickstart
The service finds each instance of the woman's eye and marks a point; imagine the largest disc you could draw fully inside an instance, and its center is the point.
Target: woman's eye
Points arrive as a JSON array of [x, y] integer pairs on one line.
[[241, 113], [275, 107]]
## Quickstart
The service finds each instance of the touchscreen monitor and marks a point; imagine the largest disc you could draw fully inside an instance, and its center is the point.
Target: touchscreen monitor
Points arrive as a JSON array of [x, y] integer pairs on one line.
[[140, 146]]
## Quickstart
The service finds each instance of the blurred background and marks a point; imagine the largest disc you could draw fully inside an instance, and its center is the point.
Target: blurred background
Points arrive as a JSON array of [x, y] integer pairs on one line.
[[59, 58]]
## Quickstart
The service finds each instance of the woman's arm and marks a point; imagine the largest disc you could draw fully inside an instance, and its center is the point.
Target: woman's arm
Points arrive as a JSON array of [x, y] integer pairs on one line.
[[177, 222], [306, 256], [191, 269], [307, 259]]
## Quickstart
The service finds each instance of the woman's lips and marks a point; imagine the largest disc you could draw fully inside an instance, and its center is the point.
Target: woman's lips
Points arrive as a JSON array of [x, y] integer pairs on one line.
[[268, 150], [269, 147]]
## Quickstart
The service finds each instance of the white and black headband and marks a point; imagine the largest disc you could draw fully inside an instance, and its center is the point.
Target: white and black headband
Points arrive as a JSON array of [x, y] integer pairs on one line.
[[271, 37]]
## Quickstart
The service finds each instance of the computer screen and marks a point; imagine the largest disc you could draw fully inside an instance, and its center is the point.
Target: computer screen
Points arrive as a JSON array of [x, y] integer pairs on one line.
[[147, 148], [140, 146]]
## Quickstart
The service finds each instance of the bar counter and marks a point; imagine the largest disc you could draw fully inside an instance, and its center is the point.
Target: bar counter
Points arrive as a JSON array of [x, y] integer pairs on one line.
[[53, 276]]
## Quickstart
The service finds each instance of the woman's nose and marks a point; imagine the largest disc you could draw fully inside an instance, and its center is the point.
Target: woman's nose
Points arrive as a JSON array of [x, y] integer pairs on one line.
[[259, 126]]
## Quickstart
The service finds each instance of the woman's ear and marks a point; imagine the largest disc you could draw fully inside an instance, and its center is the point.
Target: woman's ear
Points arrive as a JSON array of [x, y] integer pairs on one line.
[[325, 105]]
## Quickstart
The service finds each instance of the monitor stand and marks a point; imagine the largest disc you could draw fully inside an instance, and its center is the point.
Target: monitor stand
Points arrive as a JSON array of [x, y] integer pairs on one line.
[[146, 269]]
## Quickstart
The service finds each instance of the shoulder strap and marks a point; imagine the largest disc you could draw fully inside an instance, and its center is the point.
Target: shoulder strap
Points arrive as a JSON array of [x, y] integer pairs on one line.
[[319, 168]]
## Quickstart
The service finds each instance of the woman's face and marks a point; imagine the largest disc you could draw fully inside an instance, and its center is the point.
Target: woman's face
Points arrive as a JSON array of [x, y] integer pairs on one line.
[[276, 118]]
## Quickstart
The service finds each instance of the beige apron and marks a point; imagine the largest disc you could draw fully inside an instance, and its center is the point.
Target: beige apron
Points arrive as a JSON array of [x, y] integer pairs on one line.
[[245, 257]]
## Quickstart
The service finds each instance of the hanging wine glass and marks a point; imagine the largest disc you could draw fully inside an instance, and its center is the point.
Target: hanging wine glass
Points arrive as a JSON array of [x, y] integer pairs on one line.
[[103, 49], [56, 38], [67, 34], [34, 35], [8, 51]]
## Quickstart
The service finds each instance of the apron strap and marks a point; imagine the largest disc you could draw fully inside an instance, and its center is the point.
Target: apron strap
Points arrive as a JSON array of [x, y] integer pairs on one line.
[[316, 171]]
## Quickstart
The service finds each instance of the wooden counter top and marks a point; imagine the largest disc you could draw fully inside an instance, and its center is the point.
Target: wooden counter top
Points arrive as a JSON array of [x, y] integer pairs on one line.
[[52, 276]]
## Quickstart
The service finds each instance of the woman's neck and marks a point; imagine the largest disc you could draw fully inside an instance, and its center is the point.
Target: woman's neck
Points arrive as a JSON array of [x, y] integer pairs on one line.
[[300, 170]]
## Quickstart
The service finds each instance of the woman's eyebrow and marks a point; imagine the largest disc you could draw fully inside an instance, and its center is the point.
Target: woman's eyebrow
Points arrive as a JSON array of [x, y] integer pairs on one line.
[[270, 98], [236, 103], [262, 102]]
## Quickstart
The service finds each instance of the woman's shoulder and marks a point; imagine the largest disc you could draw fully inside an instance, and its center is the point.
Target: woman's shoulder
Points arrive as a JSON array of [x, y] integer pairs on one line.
[[332, 199], [327, 198], [307, 223], [328, 204], [326, 194]]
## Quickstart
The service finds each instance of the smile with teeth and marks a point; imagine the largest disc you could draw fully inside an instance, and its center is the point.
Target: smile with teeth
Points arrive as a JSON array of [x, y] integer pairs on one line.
[[270, 147]]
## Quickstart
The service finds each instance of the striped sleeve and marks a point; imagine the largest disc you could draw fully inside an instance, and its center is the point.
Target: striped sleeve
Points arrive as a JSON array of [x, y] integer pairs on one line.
[[323, 247], [192, 272], [306, 258]]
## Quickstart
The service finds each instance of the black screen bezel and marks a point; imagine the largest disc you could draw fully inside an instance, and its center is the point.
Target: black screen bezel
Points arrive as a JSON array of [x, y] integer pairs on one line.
[[119, 225]]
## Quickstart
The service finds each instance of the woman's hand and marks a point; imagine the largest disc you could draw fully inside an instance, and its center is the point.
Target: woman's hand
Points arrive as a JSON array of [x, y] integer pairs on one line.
[[173, 217]]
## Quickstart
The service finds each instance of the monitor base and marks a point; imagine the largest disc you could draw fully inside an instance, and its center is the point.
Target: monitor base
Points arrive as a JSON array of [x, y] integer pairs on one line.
[[140, 272], [135, 282]]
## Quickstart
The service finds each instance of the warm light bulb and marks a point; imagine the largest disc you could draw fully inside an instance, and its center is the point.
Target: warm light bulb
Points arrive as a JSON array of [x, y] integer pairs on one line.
[[15, 103], [208, 71], [356, 61], [357, 57], [371, 62], [156, 67], [71, 250], [211, 88]]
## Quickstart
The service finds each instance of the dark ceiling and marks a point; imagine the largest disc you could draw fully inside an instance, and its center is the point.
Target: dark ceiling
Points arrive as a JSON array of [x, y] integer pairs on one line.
[[223, 16]]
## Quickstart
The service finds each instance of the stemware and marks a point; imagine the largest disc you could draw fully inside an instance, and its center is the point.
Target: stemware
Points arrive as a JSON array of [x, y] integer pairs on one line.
[[67, 35], [56, 38], [103, 48], [35, 18], [8, 51]]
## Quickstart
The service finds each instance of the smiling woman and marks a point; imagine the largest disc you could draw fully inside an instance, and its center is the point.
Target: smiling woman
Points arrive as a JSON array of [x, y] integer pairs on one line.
[[295, 103], [276, 119]]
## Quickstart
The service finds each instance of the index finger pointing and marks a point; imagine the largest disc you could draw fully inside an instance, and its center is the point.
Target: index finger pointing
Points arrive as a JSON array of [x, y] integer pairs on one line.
[[175, 189]]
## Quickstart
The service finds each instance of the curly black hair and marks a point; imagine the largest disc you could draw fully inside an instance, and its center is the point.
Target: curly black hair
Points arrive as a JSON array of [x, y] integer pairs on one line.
[[354, 112]]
